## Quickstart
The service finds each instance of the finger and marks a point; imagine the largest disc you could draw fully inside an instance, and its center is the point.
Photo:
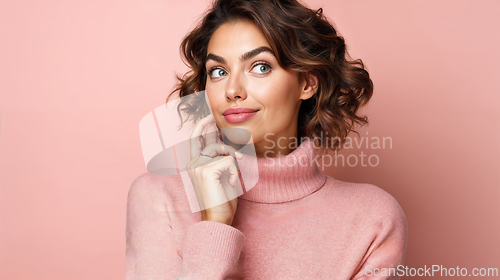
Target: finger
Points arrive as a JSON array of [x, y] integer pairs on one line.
[[225, 172], [233, 171], [219, 136], [194, 140], [211, 132], [223, 164], [215, 149]]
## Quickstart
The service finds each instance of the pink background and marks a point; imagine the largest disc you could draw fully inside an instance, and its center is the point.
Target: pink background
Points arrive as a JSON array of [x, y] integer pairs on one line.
[[77, 77]]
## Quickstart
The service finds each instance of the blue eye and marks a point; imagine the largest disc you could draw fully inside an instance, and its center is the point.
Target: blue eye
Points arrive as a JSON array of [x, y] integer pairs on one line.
[[217, 72], [261, 68]]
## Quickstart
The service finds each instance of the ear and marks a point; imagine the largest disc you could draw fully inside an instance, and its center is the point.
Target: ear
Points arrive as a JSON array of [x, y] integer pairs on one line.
[[309, 85]]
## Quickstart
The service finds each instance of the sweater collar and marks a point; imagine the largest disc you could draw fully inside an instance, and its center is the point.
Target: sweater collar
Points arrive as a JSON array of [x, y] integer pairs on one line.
[[285, 178]]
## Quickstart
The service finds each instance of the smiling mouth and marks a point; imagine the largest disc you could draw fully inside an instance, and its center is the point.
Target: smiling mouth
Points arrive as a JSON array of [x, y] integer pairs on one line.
[[239, 117]]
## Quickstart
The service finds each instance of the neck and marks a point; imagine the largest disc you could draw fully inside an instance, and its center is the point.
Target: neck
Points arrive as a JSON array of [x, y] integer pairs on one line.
[[276, 146], [281, 179], [281, 144], [270, 147]]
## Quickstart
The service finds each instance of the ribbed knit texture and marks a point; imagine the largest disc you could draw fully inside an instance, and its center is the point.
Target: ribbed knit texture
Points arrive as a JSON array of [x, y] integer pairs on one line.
[[286, 178], [295, 223]]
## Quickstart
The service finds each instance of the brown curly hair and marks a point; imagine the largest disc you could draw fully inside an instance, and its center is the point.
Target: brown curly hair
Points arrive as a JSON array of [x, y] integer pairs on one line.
[[304, 41]]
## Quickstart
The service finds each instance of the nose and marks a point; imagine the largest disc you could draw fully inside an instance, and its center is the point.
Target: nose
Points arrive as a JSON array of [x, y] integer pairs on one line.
[[235, 89]]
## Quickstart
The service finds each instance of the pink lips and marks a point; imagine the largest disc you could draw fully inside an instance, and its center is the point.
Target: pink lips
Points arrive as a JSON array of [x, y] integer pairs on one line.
[[238, 114]]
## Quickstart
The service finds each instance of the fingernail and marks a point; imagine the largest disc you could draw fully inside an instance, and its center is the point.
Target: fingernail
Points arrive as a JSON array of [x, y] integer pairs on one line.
[[239, 155]]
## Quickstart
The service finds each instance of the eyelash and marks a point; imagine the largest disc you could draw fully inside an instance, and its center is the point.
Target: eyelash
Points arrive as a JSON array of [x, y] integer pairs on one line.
[[212, 69], [253, 66], [263, 63]]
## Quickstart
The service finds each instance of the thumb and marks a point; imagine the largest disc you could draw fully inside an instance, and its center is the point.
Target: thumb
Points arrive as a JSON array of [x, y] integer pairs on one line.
[[228, 163]]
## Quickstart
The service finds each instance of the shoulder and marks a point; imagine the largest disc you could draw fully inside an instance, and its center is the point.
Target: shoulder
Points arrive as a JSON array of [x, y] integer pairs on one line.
[[150, 191], [370, 201]]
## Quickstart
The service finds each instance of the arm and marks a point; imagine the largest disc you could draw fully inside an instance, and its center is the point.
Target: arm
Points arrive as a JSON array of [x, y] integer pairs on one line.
[[387, 251], [209, 250]]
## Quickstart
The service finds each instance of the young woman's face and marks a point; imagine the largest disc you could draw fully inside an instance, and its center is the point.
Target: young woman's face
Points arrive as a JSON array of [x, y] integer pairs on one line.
[[243, 74]]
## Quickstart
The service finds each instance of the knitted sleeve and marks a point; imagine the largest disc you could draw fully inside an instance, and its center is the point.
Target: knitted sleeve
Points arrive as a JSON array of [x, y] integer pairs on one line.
[[385, 256], [209, 250]]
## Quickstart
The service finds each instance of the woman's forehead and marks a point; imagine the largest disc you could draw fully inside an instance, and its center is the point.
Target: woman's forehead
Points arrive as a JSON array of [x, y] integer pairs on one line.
[[236, 38]]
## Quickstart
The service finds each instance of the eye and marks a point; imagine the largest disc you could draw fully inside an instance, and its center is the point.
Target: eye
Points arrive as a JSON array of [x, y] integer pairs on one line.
[[261, 68], [216, 72]]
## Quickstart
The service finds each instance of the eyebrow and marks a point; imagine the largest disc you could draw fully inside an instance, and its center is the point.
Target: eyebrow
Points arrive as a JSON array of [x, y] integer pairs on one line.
[[243, 57]]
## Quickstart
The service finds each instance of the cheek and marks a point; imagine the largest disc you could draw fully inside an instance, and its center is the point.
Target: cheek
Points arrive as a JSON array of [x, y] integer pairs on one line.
[[211, 102], [215, 96], [277, 92], [214, 91], [285, 95], [214, 104]]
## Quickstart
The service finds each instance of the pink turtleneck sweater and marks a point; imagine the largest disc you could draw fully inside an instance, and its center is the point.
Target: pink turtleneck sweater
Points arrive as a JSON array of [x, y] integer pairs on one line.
[[296, 223]]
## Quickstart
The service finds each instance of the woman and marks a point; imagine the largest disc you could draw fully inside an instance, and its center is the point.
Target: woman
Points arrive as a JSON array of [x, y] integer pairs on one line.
[[279, 71]]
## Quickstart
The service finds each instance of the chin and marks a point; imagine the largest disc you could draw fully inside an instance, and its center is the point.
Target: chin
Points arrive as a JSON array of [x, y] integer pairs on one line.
[[237, 135]]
